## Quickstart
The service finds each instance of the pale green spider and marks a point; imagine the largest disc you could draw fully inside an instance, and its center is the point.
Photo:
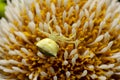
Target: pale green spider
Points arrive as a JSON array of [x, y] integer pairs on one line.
[[49, 45]]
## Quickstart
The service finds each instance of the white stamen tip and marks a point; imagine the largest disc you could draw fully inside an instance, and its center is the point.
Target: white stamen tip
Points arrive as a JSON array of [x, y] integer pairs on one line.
[[67, 74]]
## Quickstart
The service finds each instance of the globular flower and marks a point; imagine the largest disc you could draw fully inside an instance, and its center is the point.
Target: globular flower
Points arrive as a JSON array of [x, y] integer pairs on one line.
[[86, 31]]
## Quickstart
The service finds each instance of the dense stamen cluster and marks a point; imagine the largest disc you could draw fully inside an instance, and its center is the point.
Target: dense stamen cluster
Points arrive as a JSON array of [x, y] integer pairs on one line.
[[87, 32]]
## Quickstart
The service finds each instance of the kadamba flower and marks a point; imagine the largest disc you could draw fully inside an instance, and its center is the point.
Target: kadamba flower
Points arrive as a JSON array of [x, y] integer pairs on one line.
[[85, 34]]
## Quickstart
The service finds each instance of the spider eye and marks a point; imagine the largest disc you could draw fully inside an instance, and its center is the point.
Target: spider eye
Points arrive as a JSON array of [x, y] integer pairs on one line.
[[48, 47]]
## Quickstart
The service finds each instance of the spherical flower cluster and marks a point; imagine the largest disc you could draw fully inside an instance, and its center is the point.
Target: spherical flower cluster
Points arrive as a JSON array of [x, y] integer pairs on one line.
[[83, 36]]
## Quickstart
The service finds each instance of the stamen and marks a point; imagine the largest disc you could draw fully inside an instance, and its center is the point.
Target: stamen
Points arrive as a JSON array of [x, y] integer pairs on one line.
[[84, 73], [37, 8], [55, 78], [53, 8], [67, 74]]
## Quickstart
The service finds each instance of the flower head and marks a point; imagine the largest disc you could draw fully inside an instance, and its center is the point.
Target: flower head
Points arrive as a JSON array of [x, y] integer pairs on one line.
[[86, 31]]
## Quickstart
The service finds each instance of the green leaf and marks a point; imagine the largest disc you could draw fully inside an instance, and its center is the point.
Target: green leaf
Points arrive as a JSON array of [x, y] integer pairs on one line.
[[2, 9]]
